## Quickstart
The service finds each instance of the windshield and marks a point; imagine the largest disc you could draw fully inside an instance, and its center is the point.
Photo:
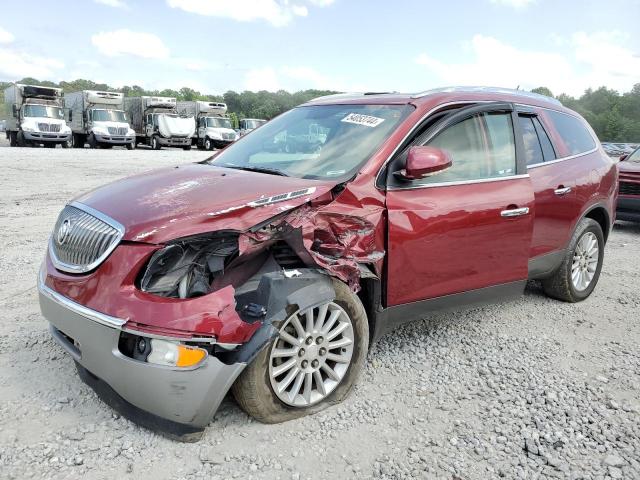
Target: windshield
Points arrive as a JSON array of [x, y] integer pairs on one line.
[[634, 157], [253, 123], [109, 116], [317, 142], [218, 122], [43, 111]]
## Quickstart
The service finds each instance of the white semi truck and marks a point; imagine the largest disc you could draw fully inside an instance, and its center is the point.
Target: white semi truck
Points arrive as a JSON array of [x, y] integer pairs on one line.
[[36, 116], [98, 118], [157, 123], [213, 126]]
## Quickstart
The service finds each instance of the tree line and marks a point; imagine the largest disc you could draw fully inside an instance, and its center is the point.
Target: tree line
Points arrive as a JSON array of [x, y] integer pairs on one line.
[[615, 117]]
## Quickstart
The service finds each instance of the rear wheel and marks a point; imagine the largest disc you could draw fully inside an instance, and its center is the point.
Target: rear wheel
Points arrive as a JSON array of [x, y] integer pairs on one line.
[[312, 364], [580, 270]]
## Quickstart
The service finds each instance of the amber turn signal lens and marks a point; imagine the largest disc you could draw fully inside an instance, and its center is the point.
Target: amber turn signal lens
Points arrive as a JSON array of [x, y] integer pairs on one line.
[[189, 356]]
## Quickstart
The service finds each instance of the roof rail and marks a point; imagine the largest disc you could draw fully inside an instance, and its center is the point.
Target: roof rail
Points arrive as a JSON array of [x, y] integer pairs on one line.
[[472, 89]]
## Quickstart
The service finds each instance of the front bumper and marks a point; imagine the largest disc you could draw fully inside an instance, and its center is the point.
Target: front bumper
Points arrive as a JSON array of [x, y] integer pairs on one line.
[[174, 141], [222, 143], [47, 137], [115, 139], [628, 208], [178, 397]]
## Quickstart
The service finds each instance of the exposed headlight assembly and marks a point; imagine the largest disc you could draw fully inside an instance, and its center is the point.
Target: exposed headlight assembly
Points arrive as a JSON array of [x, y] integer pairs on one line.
[[186, 268]]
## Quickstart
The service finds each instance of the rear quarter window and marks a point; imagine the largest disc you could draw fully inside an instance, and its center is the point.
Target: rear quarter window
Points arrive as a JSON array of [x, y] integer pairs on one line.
[[572, 132]]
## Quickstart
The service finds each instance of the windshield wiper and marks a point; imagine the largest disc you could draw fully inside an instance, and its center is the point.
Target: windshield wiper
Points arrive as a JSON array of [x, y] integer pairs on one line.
[[267, 170]]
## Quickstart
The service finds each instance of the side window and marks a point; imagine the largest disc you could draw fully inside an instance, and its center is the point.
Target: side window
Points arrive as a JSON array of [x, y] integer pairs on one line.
[[532, 147], [547, 147], [481, 147], [573, 132]]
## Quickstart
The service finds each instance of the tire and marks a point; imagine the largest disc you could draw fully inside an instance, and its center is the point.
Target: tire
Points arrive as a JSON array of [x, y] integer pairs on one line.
[[155, 144], [253, 389], [13, 141], [67, 144], [20, 140], [187, 147], [93, 143], [208, 144], [131, 146], [562, 285], [78, 140]]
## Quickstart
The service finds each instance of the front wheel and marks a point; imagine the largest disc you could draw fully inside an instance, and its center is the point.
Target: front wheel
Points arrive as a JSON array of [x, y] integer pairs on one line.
[[579, 272], [312, 364], [155, 144], [131, 146], [93, 143], [208, 144]]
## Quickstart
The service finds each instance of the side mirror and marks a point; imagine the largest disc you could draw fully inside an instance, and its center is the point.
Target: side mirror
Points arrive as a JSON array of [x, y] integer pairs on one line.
[[425, 161], [622, 158], [14, 110]]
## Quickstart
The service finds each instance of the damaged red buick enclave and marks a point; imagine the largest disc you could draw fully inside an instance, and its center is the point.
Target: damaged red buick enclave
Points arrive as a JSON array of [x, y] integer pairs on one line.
[[269, 268]]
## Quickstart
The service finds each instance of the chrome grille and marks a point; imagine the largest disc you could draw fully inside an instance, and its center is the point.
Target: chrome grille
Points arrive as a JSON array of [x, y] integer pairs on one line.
[[117, 131], [48, 127], [83, 238]]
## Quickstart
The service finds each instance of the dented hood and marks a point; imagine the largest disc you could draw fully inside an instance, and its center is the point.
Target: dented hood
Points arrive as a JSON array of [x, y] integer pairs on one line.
[[170, 203]]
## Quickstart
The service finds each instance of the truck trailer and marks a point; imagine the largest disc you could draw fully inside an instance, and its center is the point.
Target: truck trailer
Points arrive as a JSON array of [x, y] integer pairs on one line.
[[36, 116], [156, 122], [213, 126], [98, 118]]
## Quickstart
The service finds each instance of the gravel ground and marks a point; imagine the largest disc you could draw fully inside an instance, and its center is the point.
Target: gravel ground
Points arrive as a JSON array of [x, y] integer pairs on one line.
[[530, 389]]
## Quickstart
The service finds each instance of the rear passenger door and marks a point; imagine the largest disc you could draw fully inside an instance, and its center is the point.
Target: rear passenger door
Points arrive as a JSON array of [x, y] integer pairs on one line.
[[554, 184]]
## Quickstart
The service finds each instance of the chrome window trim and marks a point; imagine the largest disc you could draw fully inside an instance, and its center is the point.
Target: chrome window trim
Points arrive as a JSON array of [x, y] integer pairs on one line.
[[98, 317], [65, 267], [570, 157], [461, 182]]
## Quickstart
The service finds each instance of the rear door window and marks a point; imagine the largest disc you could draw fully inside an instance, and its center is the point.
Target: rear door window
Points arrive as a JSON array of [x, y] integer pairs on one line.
[[547, 147], [532, 147], [573, 132]]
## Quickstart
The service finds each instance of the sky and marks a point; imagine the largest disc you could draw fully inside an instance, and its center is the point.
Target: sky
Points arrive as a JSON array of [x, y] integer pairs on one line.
[[346, 45]]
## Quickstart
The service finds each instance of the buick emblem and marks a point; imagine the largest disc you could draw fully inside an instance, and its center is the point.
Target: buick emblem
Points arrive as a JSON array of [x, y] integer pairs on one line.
[[63, 231]]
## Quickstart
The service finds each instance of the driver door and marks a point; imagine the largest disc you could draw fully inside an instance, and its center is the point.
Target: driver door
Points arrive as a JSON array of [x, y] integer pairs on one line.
[[469, 227]]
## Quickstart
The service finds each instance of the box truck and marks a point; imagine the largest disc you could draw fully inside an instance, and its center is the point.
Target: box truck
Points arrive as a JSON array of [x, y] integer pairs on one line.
[[156, 122], [213, 126], [98, 118], [248, 124], [36, 116]]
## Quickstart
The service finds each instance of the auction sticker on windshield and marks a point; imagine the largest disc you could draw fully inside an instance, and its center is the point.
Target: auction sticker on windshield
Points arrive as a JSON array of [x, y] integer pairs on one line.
[[366, 120]]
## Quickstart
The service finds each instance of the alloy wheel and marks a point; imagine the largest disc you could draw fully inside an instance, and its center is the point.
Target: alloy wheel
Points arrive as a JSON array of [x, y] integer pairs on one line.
[[311, 355], [585, 261]]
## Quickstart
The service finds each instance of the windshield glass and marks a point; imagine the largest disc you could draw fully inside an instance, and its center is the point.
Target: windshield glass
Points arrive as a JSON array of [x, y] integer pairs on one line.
[[317, 142], [109, 116], [253, 123], [218, 122], [43, 111], [634, 157]]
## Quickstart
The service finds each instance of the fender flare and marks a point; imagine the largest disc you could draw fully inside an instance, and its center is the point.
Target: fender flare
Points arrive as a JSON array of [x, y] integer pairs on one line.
[[280, 295]]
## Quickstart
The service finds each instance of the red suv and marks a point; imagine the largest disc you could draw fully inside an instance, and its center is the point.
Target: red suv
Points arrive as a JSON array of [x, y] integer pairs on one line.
[[269, 268], [629, 193]]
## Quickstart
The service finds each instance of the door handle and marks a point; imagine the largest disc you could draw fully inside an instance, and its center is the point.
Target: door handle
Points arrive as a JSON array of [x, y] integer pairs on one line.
[[514, 212], [562, 190]]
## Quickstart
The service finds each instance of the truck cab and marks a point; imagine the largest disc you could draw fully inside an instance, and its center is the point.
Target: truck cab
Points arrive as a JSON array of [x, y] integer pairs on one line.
[[158, 123], [249, 124], [37, 116], [98, 118]]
